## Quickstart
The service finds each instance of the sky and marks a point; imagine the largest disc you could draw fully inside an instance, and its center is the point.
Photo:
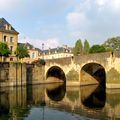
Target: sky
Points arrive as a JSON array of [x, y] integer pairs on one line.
[[58, 22]]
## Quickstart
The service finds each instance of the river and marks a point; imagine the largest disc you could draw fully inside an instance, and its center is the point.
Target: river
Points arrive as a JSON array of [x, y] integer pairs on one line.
[[58, 102]]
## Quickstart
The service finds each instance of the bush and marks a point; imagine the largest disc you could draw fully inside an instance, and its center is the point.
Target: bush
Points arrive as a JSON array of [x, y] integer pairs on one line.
[[42, 62]]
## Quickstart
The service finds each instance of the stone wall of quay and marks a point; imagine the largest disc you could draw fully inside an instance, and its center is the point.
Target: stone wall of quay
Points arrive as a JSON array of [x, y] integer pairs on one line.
[[17, 74]]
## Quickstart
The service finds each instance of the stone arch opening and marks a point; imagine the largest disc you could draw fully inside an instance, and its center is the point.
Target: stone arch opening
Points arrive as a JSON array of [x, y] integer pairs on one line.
[[56, 74], [93, 73]]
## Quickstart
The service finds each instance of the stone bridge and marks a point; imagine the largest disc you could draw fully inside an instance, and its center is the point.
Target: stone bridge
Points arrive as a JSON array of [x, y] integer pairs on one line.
[[103, 68]]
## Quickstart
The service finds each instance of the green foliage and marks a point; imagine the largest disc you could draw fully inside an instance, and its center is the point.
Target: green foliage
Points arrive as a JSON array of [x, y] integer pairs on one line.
[[4, 50], [42, 62], [21, 51], [113, 76], [86, 47], [97, 49], [39, 62], [78, 48], [72, 75], [112, 44]]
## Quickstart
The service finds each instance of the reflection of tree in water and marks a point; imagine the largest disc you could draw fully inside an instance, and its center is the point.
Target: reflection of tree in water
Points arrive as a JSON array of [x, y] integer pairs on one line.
[[73, 95], [56, 94], [113, 99], [20, 112], [4, 106], [96, 100], [4, 113]]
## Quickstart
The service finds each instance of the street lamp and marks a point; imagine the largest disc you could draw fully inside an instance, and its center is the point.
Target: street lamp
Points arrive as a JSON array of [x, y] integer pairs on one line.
[[42, 50]]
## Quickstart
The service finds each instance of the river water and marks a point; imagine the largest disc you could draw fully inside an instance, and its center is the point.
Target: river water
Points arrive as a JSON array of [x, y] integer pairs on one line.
[[58, 102]]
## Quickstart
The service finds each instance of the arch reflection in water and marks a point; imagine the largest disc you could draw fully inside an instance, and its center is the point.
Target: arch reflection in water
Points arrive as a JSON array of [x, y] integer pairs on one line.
[[56, 91], [93, 96]]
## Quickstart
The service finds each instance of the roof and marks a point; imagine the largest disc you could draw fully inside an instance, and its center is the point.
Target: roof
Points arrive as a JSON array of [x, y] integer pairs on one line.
[[3, 24], [29, 46], [57, 50]]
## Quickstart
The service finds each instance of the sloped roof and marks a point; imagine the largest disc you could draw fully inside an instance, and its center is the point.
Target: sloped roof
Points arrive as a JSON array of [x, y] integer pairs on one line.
[[30, 46], [3, 22], [57, 50]]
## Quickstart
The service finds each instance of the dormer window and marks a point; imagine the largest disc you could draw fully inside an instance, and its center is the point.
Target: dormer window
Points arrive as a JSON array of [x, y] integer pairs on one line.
[[28, 47], [7, 27], [55, 51]]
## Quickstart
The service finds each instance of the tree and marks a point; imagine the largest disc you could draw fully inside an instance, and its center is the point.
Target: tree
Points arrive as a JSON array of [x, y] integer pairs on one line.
[[86, 47], [21, 51], [78, 49], [97, 49], [4, 50], [112, 44]]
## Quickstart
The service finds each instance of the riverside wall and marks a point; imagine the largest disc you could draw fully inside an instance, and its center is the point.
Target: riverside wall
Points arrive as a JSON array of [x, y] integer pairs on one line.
[[17, 74]]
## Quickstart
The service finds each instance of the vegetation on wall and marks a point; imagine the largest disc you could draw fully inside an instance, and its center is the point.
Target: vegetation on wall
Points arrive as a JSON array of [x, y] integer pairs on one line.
[[72, 75], [42, 62], [39, 62], [113, 76]]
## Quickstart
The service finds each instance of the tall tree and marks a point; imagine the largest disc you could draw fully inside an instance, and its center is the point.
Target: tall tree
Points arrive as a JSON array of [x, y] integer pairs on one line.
[[78, 49], [86, 47], [4, 50], [97, 49], [112, 44], [21, 51]]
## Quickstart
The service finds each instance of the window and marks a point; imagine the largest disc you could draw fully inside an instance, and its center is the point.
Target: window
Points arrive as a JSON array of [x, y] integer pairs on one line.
[[11, 59], [5, 39], [6, 26], [33, 55], [28, 47], [11, 48], [11, 39], [9, 27]]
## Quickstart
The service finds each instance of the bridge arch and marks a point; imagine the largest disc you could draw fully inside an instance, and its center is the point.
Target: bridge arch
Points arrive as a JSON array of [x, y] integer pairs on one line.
[[93, 73], [56, 72]]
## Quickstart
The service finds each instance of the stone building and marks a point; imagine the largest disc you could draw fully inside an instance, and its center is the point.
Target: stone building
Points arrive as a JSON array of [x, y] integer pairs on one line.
[[9, 36], [59, 52], [34, 53]]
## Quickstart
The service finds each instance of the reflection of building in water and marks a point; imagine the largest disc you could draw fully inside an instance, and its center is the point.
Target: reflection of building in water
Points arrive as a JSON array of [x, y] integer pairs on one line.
[[18, 102]]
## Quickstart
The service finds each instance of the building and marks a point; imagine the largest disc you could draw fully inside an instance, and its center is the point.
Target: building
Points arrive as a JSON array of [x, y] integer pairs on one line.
[[9, 36], [34, 53], [59, 52]]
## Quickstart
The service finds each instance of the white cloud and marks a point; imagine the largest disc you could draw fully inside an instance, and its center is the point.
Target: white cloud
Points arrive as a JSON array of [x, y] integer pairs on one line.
[[76, 19], [111, 5], [48, 43], [10, 4], [101, 2], [94, 20]]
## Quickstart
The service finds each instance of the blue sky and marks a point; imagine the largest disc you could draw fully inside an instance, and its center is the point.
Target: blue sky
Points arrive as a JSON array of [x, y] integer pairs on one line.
[[58, 22]]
